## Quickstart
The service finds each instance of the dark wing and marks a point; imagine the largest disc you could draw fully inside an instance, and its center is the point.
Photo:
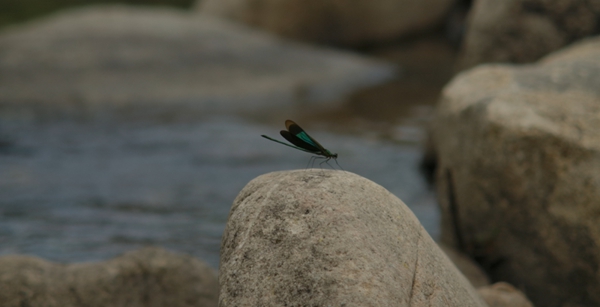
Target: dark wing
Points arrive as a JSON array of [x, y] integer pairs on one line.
[[302, 137], [299, 142]]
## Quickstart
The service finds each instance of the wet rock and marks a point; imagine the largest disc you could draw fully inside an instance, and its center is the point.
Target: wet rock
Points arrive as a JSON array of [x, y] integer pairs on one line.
[[331, 22], [518, 173], [331, 238], [522, 31], [143, 61], [503, 294], [147, 277]]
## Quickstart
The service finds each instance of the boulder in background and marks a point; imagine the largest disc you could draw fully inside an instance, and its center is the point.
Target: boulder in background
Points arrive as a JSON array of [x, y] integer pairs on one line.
[[522, 31], [346, 23], [518, 151], [145, 278]]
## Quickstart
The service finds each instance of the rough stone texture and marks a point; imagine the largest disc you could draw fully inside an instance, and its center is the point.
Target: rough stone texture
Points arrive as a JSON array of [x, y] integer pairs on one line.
[[503, 294], [118, 58], [331, 238], [145, 278], [472, 271], [519, 173], [333, 22], [523, 31]]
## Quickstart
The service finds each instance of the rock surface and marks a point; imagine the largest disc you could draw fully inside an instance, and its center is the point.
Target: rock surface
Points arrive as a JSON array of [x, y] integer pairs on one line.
[[147, 277], [472, 271], [331, 238], [503, 294], [523, 31], [333, 22], [143, 60], [519, 173]]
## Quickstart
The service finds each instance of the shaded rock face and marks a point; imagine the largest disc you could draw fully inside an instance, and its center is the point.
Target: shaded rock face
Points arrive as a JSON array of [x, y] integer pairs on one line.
[[519, 173], [122, 59], [472, 271], [147, 277], [331, 238], [503, 294], [333, 22], [523, 31]]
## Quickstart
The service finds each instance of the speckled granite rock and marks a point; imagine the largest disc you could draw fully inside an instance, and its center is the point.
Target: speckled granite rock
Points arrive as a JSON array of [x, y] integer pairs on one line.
[[332, 238]]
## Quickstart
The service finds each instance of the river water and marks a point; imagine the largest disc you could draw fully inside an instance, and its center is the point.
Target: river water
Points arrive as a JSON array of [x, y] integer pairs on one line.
[[90, 190]]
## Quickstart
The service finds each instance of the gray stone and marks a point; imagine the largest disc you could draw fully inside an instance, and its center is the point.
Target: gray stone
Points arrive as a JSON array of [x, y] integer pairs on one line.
[[132, 60], [332, 238], [518, 173], [147, 277], [522, 31], [334, 22]]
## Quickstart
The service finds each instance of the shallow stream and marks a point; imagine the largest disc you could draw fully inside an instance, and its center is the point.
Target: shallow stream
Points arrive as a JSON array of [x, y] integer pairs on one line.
[[86, 191]]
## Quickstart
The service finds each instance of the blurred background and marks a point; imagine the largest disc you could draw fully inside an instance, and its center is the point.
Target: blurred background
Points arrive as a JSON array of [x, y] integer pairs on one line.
[[14, 11], [133, 123], [126, 124]]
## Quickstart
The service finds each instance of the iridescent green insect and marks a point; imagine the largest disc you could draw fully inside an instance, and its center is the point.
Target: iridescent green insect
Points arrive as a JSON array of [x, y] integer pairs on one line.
[[297, 136]]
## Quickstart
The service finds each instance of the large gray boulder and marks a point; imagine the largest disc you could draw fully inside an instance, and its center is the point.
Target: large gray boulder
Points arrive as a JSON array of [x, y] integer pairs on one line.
[[144, 278], [519, 173], [522, 31], [332, 238], [132, 60], [334, 22]]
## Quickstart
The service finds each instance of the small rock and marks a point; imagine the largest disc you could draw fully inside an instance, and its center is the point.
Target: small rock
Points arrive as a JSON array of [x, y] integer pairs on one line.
[[147, 277]]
